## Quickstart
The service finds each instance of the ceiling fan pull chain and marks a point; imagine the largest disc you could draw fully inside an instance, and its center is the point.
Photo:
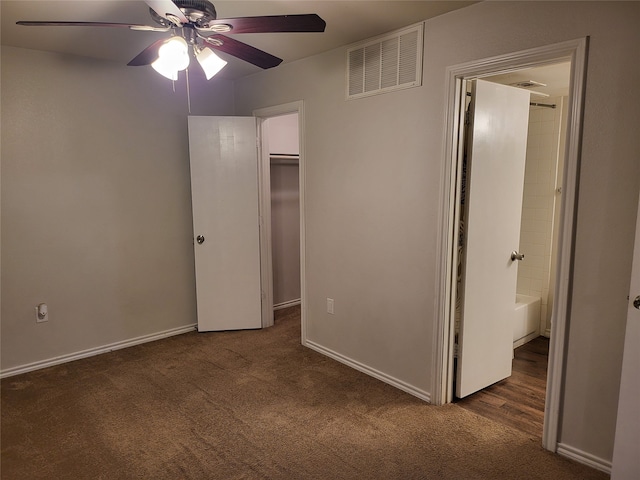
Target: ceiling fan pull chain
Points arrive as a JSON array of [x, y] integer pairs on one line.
[[188, 92]]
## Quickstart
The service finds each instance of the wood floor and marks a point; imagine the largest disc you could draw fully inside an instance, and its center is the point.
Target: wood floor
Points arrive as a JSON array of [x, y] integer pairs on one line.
[[517, 401]]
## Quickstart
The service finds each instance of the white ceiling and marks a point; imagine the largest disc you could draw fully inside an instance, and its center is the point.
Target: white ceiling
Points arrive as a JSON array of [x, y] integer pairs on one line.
[[555, 78], [347, 22]]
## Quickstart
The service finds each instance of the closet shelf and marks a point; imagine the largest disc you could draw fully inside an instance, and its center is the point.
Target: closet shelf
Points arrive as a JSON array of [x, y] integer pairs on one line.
[[284, 159]]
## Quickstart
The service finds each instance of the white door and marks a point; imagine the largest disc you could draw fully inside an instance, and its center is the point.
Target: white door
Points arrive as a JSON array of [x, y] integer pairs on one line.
[[626, 451], [494, 187], [224, 193]]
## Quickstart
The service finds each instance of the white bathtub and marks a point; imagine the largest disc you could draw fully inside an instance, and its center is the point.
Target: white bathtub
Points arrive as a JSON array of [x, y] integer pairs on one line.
[[526, 319]]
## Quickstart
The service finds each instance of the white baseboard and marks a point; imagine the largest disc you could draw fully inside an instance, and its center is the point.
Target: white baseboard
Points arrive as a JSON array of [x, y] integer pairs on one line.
[[584, 458], [94, 351], [547, 333], [525, 339], [416, 392], [290, 303]]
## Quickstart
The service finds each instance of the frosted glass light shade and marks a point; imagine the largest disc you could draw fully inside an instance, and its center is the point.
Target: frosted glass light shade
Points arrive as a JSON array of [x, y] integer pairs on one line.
[[173, 56], [210, 62], [165, 69]]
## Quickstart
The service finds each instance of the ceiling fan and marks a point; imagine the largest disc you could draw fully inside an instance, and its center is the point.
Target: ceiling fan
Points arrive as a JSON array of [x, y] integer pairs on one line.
[[194, 26]]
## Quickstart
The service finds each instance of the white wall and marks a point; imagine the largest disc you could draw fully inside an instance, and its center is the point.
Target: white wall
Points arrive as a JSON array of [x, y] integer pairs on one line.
[[96, 206], [363, 188], [283, 134], [373, 197]]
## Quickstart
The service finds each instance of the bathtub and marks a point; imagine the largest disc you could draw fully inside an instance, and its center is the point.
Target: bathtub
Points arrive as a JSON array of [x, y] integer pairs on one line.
[[526, 319]]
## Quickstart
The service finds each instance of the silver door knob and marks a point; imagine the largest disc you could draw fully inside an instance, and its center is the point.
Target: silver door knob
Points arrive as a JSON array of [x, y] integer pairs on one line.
[[516, 256], [636, 302], [200, 239]]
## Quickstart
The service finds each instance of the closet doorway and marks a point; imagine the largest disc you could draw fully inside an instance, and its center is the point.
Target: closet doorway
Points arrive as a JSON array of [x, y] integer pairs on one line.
[[284, 159], [282, 240]]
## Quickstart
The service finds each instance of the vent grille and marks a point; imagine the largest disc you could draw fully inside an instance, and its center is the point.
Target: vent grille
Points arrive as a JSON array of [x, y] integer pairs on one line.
[[386, 63]]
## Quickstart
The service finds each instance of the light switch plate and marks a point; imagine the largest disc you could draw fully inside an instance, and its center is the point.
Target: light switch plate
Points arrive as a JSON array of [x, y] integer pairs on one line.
[[330, 306]]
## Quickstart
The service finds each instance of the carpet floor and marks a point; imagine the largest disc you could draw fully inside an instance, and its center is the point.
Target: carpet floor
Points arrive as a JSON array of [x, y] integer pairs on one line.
[[247, 405]]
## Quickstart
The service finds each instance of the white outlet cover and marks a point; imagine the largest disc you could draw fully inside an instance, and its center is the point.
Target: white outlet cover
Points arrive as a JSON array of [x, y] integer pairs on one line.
[[40, 319], [330, 306]]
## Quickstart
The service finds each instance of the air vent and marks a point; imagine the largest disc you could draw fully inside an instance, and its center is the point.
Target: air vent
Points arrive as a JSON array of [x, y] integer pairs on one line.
[[386, 63], [528, 84]]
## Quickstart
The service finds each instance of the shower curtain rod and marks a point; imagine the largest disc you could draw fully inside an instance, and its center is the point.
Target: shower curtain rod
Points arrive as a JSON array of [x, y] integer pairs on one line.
[[535, 104]]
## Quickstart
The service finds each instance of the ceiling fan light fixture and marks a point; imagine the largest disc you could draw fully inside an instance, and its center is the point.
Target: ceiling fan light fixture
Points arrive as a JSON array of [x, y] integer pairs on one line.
[[193, 19], [173, 56], [165, 69], [209, 61]]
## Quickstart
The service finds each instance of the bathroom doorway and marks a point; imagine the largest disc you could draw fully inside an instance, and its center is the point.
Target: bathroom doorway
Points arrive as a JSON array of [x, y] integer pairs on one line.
[[519, 399], [573, 52]]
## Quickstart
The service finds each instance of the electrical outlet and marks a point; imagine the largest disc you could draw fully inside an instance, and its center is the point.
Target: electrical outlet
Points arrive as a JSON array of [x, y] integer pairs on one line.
[[42, 313], [330, 306]]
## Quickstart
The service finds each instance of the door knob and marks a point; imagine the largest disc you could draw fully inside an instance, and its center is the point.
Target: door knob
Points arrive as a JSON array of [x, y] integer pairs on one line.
[[636, 302], [516, 256], [200, 239]]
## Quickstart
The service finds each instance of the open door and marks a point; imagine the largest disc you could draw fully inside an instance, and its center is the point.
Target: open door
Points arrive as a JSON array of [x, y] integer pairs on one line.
[[626, 461], [497, 143], [224, 193]]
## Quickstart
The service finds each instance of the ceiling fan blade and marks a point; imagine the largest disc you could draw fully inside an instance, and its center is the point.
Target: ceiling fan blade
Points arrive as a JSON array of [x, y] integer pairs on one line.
[[242, 51], [164, 8], [93, 24], [148, 55], [271, 24]]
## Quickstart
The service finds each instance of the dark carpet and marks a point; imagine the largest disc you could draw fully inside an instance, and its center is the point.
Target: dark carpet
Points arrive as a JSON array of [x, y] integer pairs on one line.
[[247, 405]]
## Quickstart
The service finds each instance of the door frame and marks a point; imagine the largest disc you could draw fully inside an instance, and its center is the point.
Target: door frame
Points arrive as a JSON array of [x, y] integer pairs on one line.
[[574, 51], [264, 195]]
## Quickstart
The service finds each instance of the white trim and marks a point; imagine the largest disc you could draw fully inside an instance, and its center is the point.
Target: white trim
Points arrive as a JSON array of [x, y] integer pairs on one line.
[[399, 384], [525, 339], [561, 306], [583, 457], [444, 299], [575, 51], [265, 198], [91, 352], [290, 303], [264, 206]]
